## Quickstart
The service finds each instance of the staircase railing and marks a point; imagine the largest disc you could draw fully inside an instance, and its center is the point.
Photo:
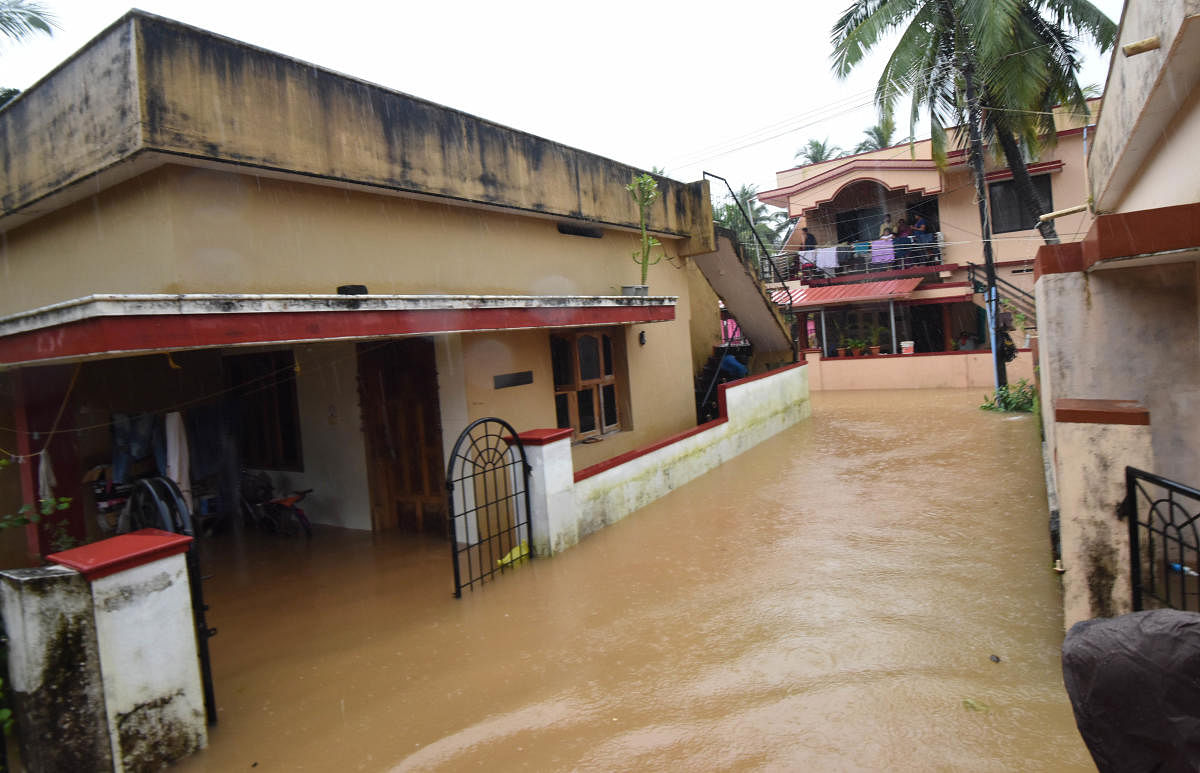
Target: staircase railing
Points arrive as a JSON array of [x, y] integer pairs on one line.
[[1019, 299]]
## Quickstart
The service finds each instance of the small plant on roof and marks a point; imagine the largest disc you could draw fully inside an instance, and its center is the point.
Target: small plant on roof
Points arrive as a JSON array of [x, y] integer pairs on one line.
[[644, 190]]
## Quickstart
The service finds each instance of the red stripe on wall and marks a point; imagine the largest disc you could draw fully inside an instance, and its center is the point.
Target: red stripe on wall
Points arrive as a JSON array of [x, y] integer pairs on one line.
[[192, 331]]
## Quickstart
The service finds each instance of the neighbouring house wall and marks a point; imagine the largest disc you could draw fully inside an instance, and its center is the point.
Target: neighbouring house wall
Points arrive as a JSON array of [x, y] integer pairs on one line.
[[331, 437], [1159, 182], [189, 230], [1128, 334], [914, 371]]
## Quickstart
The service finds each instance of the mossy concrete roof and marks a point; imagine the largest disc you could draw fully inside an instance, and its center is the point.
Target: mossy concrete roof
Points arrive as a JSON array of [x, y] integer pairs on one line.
[[148, 90]]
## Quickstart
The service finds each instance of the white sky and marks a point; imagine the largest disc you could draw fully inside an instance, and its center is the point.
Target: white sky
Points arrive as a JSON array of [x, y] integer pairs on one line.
[[688, 86]]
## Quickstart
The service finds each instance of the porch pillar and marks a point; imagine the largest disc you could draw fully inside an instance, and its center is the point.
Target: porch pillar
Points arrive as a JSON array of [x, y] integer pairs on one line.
[[33, 544], [551, 492], [947, 336]]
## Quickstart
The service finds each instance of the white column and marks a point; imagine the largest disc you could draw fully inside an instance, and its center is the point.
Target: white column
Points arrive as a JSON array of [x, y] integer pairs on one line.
[[146, 639], [54, 670], [551, 490]]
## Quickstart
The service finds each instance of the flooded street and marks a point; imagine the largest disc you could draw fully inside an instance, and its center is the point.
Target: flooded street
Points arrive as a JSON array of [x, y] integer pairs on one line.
[[828, 600]]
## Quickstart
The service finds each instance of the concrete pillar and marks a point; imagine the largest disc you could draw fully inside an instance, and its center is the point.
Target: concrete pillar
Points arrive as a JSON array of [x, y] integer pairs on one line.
[[132, 643], [551, 490], [54, 670], [1095, 441]]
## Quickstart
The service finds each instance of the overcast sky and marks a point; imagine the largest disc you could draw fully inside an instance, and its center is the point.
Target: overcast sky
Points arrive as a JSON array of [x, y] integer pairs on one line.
[[729, 88]]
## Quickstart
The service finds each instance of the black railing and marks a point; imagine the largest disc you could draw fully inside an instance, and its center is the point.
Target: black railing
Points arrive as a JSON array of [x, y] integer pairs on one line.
[[851, 262], [1011, 297], [1164, 541], [487, 482]]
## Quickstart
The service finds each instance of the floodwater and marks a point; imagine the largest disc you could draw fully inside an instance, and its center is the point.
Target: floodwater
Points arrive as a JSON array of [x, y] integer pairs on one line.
[[829, 600]]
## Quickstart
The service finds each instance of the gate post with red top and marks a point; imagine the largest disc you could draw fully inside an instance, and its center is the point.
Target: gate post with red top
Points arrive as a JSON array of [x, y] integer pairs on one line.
[[132, 623]]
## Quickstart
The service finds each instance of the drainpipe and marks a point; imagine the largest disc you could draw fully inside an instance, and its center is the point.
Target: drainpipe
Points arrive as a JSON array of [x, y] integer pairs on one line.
[[892, 312], [824, 340]]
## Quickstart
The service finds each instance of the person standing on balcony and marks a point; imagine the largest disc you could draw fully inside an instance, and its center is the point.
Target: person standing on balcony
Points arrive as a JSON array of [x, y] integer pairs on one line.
[[810, 241], [921, 234], [886, 228]]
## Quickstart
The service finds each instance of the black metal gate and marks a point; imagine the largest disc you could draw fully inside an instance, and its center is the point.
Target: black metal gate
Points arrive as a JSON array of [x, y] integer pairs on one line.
[[157, 503], [487, 478], [1164, 543]]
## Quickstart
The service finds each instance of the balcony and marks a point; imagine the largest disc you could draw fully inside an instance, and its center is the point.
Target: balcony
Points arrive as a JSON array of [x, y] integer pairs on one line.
[[883, 258]]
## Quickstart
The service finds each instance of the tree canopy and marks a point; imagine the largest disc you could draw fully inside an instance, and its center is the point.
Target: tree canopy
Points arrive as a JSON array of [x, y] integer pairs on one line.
[[817, 151], [1000, 64]]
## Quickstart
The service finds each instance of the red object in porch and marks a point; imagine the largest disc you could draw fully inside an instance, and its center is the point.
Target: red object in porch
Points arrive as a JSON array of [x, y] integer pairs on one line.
[[125, 551]]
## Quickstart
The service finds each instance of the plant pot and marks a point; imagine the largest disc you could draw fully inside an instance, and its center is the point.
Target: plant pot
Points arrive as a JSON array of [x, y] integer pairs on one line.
[[841, 350], [860, 352], [874, 351], [638, 290]]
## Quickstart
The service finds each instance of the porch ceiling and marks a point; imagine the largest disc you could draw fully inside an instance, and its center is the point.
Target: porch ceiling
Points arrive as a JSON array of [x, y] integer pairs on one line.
[[110, 325]]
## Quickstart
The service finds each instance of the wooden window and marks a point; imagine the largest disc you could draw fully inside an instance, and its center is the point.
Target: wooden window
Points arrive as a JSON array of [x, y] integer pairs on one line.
[[588, 369], [267, 412], [1008, 211]]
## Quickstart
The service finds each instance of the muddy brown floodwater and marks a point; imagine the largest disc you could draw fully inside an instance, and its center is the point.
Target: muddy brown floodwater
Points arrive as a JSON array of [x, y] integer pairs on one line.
[[829, 600]]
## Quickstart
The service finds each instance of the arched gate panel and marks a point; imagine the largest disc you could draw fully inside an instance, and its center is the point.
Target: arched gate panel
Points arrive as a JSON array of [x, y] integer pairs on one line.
[[487, 479]]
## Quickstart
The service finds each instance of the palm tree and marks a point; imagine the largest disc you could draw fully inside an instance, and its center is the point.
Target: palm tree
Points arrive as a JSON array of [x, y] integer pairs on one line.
[[879, 136], [764, 223], [953, 52], [967, 62], [817, 151], [1040, 77], [20, 18]]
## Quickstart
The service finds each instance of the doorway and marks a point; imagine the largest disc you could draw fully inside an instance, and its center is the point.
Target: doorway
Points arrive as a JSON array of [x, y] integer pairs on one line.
[[398, 394]]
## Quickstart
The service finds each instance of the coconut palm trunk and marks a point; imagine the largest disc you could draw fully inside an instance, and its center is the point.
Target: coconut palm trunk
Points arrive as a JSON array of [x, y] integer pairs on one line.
[[1029, 196], [966, 67]]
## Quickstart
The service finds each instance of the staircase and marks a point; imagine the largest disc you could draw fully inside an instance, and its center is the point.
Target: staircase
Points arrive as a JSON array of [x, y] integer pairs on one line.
[[1012, 298], [735, 280], [707, 406]]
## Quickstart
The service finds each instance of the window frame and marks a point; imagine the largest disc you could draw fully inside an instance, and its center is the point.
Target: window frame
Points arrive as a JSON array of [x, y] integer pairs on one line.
[[608, 390], [1005, 186]]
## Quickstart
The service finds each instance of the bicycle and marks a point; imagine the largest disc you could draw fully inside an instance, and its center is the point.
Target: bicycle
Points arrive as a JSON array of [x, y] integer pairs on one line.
[[271, 514]]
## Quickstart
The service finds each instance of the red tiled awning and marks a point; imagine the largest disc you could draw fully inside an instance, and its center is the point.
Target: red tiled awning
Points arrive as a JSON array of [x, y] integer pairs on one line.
[[841, 295]]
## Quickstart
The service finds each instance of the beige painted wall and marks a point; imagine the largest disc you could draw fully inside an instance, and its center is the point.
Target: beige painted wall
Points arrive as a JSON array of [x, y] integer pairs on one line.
[[331, 437], [705, 325], [1128, 334], [1159, 182], [183, 229], [953, 370], [660, 385]]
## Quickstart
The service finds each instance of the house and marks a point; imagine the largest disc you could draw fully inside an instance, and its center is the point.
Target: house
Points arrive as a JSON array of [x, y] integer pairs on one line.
[[1119, 347], [328, 280], [927, 291]]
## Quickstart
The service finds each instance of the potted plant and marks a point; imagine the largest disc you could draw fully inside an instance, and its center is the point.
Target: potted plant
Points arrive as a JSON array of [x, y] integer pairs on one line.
[[644, 190], [875, 334]]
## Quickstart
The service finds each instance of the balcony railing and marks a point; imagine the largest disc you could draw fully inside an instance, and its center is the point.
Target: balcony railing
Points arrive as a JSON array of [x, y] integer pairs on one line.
[[859, 259]]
